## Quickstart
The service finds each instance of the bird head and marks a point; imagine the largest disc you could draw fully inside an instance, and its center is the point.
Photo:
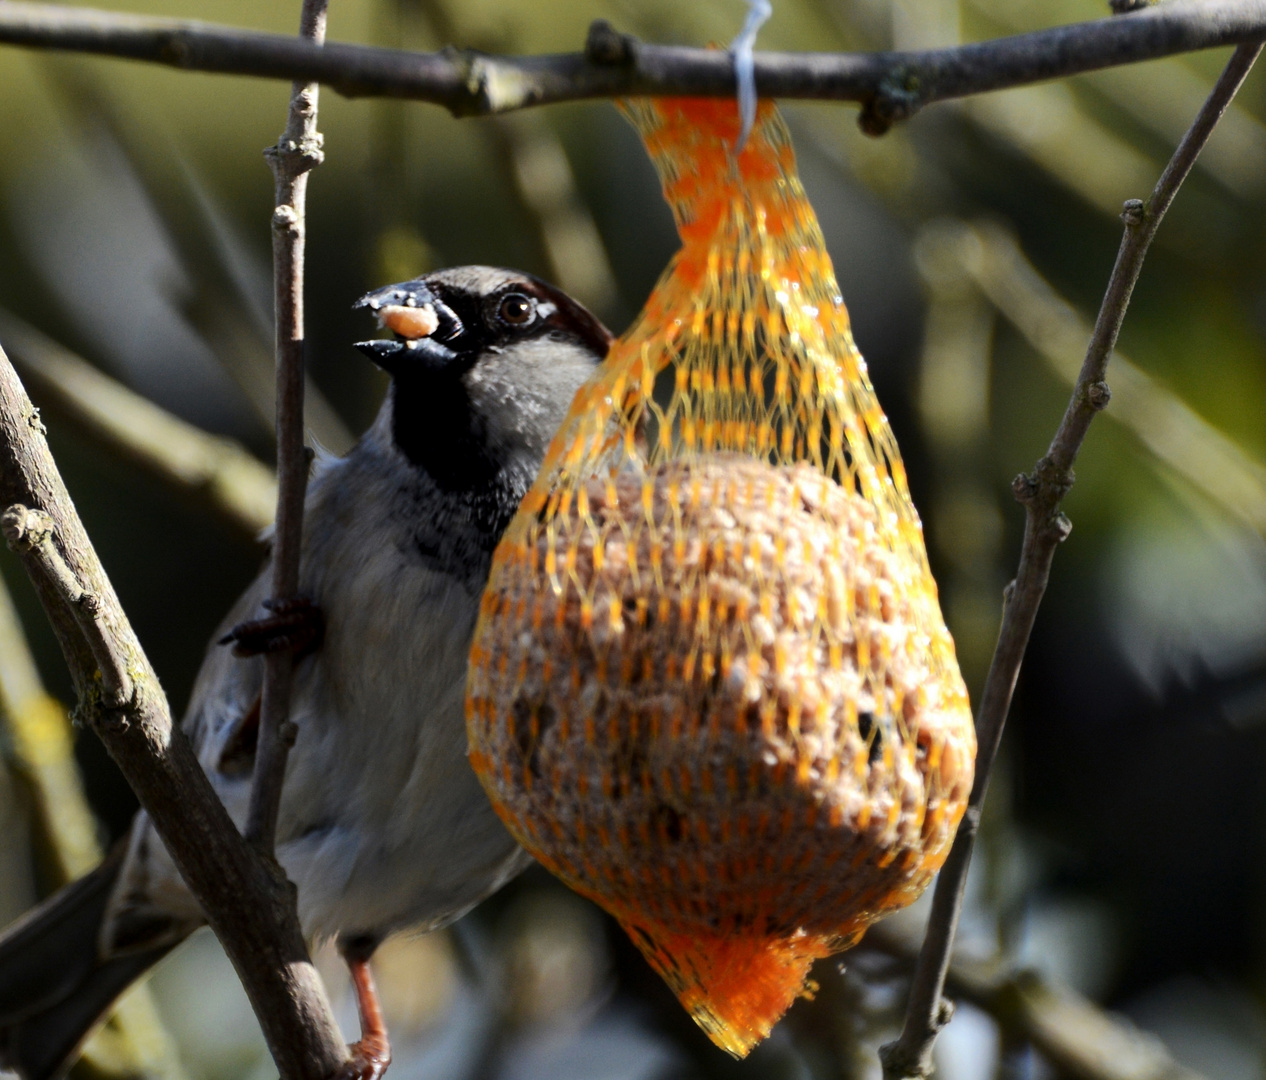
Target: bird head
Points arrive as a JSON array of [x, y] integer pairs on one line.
[[484, 363]]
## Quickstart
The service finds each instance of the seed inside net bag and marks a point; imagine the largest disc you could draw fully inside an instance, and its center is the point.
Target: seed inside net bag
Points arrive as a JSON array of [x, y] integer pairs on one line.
[[711, 687]]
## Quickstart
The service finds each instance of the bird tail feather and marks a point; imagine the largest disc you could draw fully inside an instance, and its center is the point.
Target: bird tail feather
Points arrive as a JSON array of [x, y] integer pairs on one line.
[[54, 985]]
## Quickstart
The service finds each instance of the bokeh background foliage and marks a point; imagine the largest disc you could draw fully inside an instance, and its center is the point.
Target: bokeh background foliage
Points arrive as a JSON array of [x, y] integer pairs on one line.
[[1125, 840]]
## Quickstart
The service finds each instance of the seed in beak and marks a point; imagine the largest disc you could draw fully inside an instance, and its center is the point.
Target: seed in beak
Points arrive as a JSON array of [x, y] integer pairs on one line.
[[409, 322]]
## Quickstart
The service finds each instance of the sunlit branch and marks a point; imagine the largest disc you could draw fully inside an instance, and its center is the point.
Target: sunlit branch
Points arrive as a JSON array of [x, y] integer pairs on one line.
[[890, 86]]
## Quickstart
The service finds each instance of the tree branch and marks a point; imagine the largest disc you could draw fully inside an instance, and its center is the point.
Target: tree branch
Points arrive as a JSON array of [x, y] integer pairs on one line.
[[246, 899], [297, 152], [891, 86], [1041, 492]]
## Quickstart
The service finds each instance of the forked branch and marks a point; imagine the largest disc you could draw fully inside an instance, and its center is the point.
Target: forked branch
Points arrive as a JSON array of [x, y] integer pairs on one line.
[[1041, 492]]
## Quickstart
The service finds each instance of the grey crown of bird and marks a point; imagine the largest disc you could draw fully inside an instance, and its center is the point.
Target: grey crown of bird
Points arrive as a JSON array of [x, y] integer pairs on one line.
[[383, 825]]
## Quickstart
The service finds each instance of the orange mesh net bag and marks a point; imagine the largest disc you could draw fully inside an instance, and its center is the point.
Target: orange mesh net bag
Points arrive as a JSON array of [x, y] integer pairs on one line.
[[711, 687]]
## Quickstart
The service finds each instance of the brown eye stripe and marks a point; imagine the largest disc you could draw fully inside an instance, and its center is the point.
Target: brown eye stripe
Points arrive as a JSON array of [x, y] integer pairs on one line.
[[409, 322]]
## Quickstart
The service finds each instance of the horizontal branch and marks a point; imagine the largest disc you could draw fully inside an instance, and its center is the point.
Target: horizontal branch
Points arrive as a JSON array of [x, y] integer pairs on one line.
[[892, 85]]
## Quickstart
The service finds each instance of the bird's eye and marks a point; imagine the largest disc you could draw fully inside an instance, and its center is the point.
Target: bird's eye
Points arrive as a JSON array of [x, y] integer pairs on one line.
[[516, 310]]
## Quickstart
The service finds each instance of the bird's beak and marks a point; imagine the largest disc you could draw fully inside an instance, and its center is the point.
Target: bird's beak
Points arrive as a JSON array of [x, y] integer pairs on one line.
[[418, 319]]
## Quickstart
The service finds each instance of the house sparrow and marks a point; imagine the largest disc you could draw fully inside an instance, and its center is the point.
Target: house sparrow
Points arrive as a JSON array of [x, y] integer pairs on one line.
[[383, 825]]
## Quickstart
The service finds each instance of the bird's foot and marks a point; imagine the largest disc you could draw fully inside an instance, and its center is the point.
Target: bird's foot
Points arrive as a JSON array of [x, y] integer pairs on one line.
[[370, 1058], [295, 625], [372, 1054]]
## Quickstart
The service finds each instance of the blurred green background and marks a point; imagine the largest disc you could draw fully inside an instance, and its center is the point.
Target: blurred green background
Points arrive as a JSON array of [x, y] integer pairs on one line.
[[1124, 848]]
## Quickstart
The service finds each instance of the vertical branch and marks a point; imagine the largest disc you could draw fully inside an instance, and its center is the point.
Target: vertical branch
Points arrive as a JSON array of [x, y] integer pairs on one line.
[[297, 152], [1041, 492]]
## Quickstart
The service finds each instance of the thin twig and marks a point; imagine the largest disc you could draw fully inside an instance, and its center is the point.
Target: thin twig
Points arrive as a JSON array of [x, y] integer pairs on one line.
[[892, 86], [247, 900], [297, 152], [1041, 492], [239, 487]]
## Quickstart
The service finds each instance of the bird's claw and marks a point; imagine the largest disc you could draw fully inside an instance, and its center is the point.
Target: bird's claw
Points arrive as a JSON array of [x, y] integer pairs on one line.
[[369, 1059], [294, 625]]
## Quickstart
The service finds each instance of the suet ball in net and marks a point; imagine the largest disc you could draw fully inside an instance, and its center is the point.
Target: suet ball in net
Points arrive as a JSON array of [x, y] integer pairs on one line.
[[711, 687]]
